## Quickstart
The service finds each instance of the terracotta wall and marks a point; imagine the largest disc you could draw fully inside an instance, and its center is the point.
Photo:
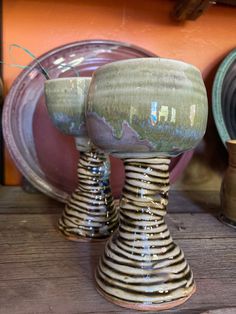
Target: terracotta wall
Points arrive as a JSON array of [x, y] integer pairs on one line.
[[41, 25]]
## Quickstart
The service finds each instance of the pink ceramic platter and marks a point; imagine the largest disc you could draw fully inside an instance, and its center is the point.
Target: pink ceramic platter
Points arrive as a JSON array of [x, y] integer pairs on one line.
[[46, 157]]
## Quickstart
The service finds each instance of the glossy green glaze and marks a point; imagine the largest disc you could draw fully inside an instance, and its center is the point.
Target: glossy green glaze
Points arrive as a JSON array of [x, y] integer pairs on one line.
[[66, 99], [154, 105]]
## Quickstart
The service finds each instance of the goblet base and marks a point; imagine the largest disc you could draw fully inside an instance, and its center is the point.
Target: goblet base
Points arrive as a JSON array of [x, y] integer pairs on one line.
[[146, 307], [142, 267], [77, 237], [227, 221]]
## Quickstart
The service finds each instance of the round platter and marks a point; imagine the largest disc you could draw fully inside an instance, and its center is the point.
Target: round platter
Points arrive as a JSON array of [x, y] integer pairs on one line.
[[224, 98], [46, 157]]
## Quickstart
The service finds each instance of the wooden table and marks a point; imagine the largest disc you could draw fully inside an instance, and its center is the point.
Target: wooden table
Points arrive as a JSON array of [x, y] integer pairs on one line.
[[41, 272]]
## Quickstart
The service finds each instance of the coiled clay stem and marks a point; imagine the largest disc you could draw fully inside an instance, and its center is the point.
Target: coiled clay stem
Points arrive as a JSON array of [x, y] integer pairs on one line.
[[142, 268], [90, 212]]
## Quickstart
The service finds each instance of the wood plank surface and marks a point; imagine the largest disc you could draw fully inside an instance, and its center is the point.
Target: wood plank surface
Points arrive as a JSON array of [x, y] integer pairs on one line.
[[41, 272], [15, 200], [26, 227]]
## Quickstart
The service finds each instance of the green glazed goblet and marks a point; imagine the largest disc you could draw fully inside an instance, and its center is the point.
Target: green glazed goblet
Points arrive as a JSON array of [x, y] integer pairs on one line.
[[145, 111], [90, 213]]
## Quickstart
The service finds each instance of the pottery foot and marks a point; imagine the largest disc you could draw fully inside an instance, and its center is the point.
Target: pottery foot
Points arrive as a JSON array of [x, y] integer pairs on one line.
[[147, 307]]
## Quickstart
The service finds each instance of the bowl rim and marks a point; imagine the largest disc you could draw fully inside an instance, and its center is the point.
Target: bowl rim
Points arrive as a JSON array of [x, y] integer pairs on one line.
[[151, 60], [216, 95], [79, 78]]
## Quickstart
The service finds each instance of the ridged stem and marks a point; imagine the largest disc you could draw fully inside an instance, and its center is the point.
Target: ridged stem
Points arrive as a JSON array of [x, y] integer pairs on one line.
[[142, 267], [90, 212]]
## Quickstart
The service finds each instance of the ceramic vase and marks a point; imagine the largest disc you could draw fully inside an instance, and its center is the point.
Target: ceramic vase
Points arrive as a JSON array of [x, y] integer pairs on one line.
[[145, 111], [228, 188], [90, 213], [1, 90]]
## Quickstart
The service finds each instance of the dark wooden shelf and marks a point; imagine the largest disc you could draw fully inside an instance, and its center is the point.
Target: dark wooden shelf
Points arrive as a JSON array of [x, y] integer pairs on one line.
[[41, 272], [192, 9]]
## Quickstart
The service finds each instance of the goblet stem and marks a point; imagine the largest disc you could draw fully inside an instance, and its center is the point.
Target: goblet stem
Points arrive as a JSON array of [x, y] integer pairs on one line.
[[90, 212], [142, 268]]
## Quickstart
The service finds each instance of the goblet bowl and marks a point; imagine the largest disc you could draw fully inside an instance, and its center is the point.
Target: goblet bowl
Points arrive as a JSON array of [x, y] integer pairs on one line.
[[147, 107]]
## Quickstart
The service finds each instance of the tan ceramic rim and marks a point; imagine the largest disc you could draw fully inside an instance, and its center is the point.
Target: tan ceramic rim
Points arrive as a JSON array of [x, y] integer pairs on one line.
[[80, 78], [157, 59]]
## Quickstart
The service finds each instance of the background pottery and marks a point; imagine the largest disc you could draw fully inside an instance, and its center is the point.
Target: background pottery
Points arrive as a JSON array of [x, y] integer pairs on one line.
[[228, 188], [90, 212], [223, 98], [1, 90], [146, 111]]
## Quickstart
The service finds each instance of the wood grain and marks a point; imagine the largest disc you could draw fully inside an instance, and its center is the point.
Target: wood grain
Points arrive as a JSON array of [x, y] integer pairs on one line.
[[42, 273], [15, 200]]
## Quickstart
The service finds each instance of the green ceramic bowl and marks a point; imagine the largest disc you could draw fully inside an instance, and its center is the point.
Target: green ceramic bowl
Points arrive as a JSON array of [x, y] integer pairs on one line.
[[147, 107], [66, 99]]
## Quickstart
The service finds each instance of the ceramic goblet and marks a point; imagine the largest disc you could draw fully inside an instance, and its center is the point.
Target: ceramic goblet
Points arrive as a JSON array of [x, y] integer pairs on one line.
[[145, 111], [90, 212]]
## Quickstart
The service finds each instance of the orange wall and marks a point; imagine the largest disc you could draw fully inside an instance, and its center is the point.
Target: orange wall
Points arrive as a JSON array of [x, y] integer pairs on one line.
[[42, 25]]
